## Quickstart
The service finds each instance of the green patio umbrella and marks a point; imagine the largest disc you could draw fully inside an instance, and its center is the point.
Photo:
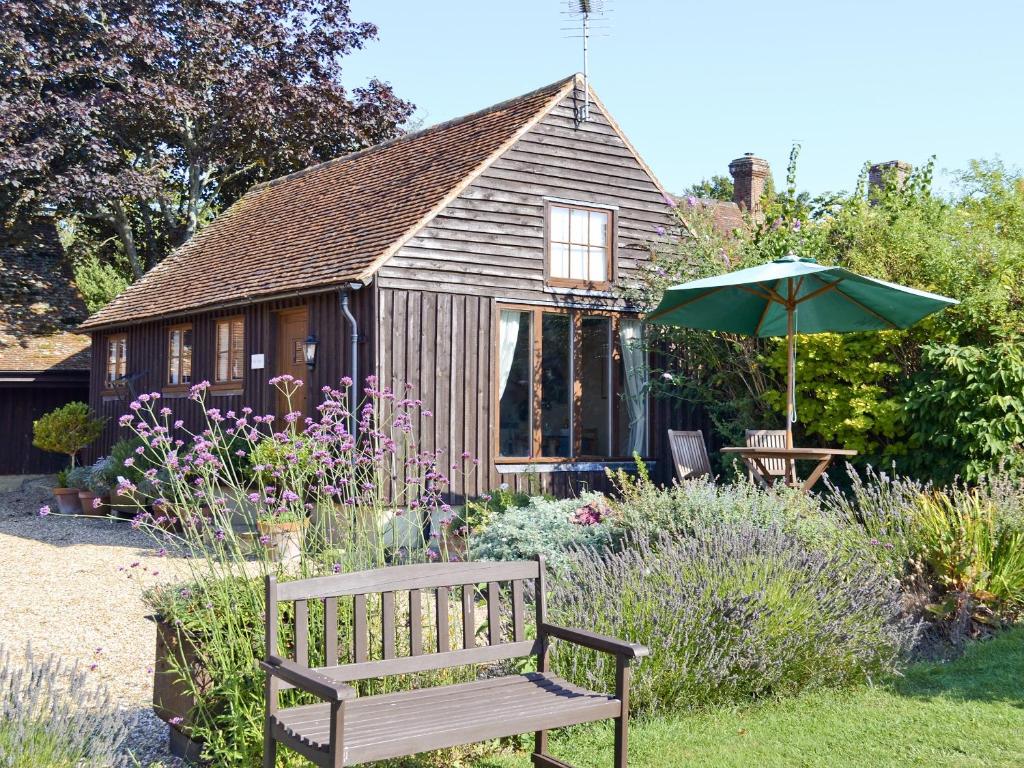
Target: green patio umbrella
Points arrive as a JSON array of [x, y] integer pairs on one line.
[[794, 295]]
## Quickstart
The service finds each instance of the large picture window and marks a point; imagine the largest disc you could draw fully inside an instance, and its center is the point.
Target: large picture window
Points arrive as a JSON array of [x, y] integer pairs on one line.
[[571, 385], [179, 356], [230, 350], [579, 244]]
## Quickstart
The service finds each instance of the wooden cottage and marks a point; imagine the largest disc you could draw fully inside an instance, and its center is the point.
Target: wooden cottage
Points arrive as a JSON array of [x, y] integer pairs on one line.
[[43, 363], [476, 260]]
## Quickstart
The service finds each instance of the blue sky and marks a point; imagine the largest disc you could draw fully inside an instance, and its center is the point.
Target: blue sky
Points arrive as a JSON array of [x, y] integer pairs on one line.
[[695, 84]]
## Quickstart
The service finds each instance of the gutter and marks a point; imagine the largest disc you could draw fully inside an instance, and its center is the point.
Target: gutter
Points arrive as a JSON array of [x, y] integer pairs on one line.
[[344, 298]]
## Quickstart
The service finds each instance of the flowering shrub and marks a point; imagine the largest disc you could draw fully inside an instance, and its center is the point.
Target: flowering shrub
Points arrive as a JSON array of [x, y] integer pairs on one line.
[[52, 717], [352, 479], [731, 614], [545, 527]]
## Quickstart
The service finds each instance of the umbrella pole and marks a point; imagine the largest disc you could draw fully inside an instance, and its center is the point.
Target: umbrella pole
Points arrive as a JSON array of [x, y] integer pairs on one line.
[[790, 366]]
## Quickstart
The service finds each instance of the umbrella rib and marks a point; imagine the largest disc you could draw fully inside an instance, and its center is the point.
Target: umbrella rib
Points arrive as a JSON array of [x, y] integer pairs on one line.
[[818, 291], [674, 307], [867, 309]]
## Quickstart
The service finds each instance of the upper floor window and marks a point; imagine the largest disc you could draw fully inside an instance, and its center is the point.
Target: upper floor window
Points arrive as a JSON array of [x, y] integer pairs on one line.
[[230, 349], [179, 355], [579, 243], [117, 357]]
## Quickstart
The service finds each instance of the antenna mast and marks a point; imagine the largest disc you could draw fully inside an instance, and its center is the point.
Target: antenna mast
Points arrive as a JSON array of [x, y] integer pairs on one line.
[[583, 10]]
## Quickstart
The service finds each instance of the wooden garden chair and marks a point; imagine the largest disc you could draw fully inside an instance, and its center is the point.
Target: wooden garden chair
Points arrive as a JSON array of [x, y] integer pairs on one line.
[[347, 729], [689, 454], [776, 468]]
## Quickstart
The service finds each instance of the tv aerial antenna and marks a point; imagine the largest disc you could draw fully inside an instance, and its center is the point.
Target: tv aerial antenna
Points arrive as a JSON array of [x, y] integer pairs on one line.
[[585, 12]]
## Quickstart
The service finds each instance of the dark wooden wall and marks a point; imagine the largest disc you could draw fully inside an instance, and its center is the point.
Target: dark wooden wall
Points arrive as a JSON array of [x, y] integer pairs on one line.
[[439, 293], [490, 240], [147, 355], [21, 403]]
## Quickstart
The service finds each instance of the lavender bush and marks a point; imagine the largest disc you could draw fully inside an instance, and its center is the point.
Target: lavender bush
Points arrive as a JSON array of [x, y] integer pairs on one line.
[[732, 613], [51, 716]]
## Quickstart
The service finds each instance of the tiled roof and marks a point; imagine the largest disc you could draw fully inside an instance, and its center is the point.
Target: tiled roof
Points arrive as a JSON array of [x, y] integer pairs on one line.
[[39, 303], [728, 216], [331, 223]]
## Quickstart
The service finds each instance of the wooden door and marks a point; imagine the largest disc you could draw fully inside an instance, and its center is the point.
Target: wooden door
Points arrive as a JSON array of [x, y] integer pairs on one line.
[[292, 330]]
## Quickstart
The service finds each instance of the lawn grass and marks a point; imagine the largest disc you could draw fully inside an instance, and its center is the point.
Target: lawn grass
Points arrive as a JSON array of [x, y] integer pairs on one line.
[[969, 712]]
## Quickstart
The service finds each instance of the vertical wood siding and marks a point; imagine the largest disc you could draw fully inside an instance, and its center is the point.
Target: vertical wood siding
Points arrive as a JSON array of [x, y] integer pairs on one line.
[[20, 405], [147, 355]]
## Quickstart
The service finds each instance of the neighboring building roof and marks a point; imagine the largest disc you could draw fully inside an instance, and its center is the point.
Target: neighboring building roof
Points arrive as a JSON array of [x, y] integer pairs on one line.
[[39, 303], [728, 216], [332, 223]]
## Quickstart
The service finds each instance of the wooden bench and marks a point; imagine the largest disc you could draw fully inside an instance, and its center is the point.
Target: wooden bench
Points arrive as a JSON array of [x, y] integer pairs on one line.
[[347, 729]]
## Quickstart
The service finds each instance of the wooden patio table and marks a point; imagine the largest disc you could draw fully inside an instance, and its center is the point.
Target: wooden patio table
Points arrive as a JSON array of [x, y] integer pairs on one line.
[[756, 455]]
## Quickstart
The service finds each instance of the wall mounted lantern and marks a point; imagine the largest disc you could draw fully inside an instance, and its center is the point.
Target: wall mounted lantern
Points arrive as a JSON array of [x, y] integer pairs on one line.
[[309, 351]]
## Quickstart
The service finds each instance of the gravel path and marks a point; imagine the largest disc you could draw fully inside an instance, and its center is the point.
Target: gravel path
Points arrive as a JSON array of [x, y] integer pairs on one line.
[[72, 586]]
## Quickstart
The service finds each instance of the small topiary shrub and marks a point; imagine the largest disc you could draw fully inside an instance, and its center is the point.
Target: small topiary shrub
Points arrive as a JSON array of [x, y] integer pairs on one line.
[[66, 430], [731, 614]]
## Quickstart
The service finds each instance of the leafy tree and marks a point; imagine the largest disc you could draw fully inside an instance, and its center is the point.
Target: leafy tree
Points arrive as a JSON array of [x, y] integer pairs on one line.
[[718, 187], [942, 398], [145, 118]]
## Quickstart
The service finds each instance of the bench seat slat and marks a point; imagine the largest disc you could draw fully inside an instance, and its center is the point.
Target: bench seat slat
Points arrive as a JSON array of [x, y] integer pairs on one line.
[[384, 727]]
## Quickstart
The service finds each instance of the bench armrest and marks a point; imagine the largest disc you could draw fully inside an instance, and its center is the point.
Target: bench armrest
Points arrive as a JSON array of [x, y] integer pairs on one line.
[[308, 680], [595, 641]]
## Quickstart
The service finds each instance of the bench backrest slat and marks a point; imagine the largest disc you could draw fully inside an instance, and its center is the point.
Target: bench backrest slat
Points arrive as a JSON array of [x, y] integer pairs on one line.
[[415, 622], [369, 590], [302, 632]]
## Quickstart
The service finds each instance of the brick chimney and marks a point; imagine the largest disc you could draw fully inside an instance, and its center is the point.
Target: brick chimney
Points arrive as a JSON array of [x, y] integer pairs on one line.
[[749, 176], [892, 172]]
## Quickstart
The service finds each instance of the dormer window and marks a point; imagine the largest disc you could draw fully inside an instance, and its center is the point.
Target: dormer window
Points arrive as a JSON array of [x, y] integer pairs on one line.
[[579, 246]]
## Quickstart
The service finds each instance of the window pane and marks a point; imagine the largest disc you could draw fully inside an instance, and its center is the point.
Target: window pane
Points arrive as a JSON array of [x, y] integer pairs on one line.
[[222, 366], [122, 355], [559, 224], [515, 384], [186, 356], [579, 228], [556, 386], [578, 262], [559, 260], [173, 356], [237, 344], [597, 268], [595, 439], [598, 228]]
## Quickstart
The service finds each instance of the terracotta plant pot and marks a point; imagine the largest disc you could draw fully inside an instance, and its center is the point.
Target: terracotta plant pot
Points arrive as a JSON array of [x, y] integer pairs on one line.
[[67, 501], [285, 543], [88, 499], [124, 507]]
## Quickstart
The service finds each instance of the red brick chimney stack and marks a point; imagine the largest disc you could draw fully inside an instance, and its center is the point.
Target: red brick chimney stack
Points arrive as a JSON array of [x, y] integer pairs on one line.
[[749, 176], [892, 172]]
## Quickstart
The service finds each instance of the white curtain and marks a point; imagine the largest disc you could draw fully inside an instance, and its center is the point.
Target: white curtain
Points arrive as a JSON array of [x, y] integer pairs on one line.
[[507, 337], [634, 357]]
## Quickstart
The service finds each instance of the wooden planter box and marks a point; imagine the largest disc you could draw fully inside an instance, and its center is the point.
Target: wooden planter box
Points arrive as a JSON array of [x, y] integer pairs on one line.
[[172, 698]]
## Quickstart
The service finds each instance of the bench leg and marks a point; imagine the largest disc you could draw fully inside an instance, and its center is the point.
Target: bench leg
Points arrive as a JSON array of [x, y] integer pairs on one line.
[[623, 673], [269, 746]]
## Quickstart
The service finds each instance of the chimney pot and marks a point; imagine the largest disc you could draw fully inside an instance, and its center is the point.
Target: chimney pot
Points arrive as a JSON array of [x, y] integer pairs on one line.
[[749, 175]]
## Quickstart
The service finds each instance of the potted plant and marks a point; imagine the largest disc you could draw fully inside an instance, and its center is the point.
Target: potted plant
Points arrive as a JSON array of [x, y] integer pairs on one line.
[[67, 430], [67, 496], [281, 533], [79, 478], [96, 496]]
